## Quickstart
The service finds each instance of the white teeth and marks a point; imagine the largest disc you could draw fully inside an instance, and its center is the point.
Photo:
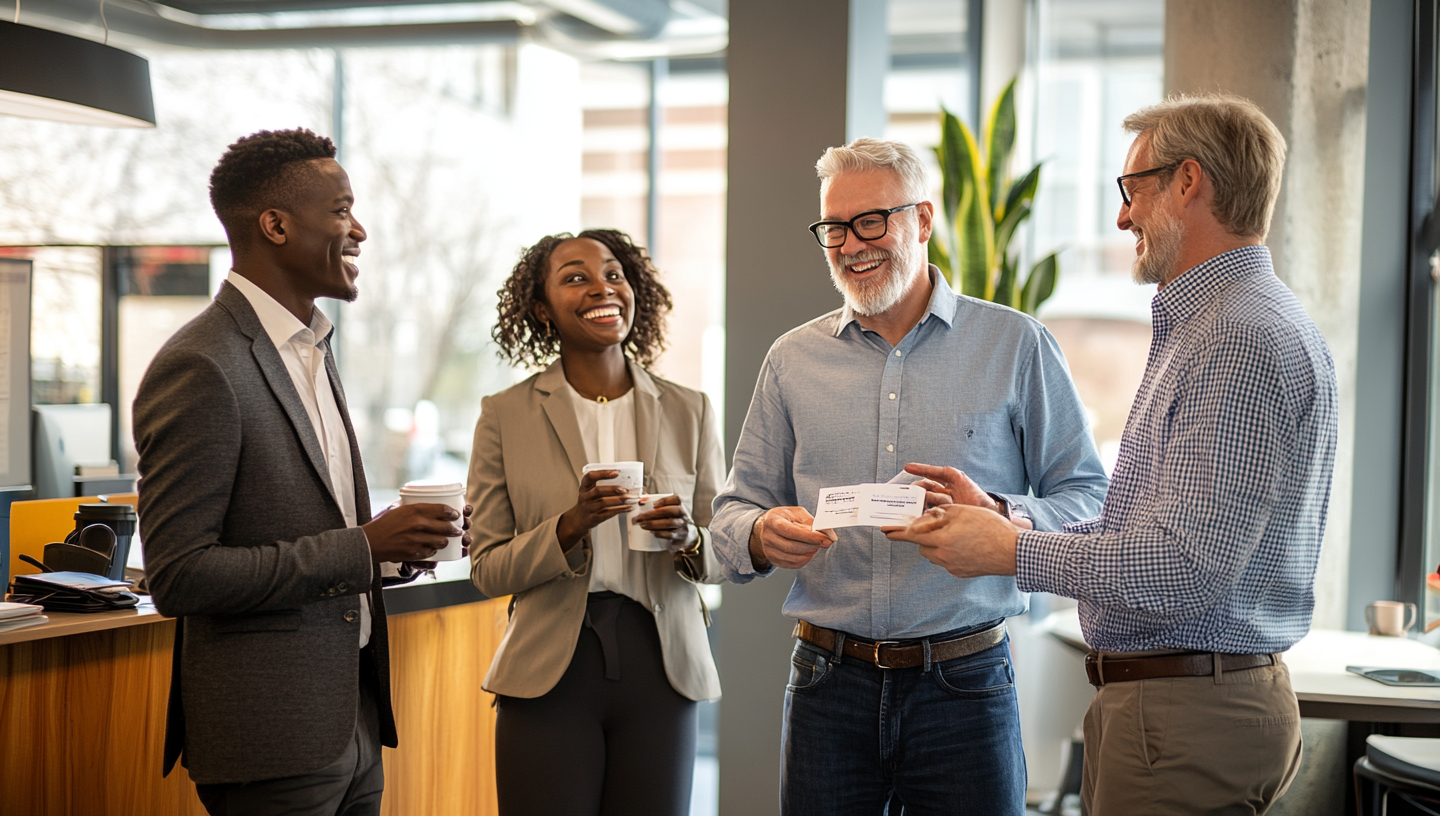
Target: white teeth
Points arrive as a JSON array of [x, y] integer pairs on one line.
[[604, 311]]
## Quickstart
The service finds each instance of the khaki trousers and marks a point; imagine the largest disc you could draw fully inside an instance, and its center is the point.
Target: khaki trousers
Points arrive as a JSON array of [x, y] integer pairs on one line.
[[1181, 745]]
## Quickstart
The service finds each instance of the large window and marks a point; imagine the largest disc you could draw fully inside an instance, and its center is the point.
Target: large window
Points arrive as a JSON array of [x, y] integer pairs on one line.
[[1096, 64]]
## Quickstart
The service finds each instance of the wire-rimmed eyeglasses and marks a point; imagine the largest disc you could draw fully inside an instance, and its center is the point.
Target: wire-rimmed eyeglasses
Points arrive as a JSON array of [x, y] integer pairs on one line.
[[1120, 180], [870, 225]]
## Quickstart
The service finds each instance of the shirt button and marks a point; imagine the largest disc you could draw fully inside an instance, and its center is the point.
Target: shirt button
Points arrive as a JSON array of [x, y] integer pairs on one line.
[[352, 616], [890, 448], [897, 352], [659, 608], [892, 396], [341, 587]]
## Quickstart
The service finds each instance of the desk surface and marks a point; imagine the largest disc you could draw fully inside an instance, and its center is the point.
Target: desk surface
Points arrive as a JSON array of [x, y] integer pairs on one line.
[[77, 623], [1317, 673]]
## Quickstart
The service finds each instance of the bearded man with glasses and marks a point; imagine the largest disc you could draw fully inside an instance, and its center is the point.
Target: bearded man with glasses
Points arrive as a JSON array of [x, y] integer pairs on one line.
[[1200, 569], [901, 689]]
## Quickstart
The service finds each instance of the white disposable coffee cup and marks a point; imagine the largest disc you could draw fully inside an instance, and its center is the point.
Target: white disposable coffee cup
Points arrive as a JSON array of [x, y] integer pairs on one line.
[[429, 492], [642, 539], [632, 475]]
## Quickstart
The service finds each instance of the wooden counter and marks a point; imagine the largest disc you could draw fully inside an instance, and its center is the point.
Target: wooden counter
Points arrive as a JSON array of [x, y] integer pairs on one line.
[[82, 715]]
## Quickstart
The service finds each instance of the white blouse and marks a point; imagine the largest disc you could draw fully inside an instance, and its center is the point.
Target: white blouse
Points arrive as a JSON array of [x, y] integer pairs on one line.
[[608, 431]]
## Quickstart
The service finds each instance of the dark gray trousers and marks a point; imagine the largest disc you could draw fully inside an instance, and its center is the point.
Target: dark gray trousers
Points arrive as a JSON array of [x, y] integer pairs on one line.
[[613, 738], [349, 786]]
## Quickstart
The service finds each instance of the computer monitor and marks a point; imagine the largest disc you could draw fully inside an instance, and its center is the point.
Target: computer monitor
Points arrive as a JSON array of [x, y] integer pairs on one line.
[[64, 436]]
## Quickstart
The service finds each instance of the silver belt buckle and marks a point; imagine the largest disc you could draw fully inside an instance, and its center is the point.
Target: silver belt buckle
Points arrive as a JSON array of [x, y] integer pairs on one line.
[[879, 643]]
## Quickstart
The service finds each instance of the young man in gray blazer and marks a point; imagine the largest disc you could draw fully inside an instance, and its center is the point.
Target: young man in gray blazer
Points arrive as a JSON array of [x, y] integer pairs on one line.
[[254, 510]]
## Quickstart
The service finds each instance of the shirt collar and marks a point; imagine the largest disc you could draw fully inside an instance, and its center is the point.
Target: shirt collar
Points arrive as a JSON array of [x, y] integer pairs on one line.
[[1188, 293], [942, 303], [278, 322]]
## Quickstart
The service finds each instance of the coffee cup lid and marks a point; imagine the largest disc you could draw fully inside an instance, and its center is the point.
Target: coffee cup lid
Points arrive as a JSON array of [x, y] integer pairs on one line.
[[107, 512], [425, 488]]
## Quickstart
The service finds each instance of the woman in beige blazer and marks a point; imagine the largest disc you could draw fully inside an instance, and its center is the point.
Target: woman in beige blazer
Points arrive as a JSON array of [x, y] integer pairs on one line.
[[605, 654]]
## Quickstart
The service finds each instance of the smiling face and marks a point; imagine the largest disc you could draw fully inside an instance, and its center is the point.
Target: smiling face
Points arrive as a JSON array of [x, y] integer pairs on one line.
[[874, 276], [1151, 218], [587, 298], [322, 235]]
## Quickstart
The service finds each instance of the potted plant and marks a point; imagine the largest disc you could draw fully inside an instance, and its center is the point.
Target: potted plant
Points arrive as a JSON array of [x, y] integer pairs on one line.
[[983, 207]]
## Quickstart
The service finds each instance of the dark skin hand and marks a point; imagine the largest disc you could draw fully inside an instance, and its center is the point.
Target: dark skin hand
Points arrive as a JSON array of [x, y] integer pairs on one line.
[[413, 533], [595, 504], [668, 520]]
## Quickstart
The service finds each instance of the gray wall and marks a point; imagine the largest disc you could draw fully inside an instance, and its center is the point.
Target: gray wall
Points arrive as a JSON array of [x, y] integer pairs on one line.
[[789, 100]]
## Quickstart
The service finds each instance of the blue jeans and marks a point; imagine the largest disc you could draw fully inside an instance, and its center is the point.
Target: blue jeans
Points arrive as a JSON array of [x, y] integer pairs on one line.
[[943, 741]]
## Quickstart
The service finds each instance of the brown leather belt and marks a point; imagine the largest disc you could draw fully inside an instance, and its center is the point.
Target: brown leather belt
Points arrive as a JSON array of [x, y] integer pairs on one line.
[[1101, 670], [900, 654]]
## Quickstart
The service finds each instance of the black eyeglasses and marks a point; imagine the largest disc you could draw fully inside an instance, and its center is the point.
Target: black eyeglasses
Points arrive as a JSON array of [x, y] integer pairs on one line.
[[870, 225], [1120, 180]]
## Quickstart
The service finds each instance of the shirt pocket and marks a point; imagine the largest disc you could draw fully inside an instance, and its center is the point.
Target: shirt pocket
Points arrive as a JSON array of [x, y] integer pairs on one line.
[[984, 445]]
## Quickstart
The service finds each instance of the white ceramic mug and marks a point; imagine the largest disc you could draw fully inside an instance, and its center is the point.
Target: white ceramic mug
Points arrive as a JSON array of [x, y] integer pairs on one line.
[[451, 493], [1390, 618], [632, 475], [641, 539]]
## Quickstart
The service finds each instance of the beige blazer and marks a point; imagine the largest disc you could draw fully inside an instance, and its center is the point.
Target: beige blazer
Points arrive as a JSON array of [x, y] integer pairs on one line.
[[525, 472]]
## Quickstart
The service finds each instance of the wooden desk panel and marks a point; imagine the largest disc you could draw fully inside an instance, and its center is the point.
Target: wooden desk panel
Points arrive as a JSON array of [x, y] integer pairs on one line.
[[82, 719], [446, 760], [82, 724]]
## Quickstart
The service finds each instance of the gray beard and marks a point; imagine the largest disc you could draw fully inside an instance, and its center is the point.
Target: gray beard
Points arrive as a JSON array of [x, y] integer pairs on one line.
[[1162, 251], [873, 297]]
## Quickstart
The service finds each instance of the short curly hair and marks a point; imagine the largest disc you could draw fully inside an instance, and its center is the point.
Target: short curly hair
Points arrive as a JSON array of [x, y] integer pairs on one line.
[[525, 341], [262, 171]]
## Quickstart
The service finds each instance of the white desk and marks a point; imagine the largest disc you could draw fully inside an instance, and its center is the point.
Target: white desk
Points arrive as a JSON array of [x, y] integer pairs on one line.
[[1317, 673]]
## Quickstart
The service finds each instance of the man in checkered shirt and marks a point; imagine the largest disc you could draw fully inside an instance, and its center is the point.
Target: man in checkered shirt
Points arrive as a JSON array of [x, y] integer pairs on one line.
[[1200, 569]]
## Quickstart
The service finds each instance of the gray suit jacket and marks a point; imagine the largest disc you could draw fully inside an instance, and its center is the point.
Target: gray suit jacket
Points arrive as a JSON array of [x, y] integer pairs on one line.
[[245, 543]]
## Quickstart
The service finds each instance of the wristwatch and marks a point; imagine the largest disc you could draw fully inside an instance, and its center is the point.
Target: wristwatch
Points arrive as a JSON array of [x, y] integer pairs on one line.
[[1009, 509]]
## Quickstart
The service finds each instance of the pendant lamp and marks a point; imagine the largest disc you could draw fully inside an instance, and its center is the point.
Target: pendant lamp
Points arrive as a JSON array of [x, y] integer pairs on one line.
[[48, 75]]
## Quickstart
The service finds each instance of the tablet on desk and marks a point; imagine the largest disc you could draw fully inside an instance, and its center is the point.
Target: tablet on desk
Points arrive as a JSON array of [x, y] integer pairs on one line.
[[1397, 677]]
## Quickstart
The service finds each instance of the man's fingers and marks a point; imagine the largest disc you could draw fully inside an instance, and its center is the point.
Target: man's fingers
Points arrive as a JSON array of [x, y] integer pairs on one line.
[[799, 533], [937, 499]]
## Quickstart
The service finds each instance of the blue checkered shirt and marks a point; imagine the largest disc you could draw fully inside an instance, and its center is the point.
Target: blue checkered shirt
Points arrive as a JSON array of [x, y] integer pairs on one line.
[[1210, 533]]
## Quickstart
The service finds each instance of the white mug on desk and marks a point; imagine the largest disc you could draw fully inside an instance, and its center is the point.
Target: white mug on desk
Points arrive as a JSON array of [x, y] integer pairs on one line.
[[1390, 618]]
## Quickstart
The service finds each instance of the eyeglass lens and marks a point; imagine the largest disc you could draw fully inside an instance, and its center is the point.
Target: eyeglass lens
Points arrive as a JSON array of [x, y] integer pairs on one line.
[[867, 226]]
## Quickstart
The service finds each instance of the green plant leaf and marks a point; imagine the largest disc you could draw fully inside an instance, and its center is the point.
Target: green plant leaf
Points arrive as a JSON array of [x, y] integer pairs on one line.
[[1005, 289], [952, 144], [1023, 190], [940, 257], [1006, 229], [974, 227], [1040, 285], [999, 144]]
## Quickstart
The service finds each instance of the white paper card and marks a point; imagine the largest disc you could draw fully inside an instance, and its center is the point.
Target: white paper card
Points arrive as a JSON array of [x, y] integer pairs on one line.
[[868, 505]]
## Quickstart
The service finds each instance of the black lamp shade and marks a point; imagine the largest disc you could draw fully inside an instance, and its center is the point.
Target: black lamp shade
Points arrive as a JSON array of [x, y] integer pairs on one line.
[[48, 75]]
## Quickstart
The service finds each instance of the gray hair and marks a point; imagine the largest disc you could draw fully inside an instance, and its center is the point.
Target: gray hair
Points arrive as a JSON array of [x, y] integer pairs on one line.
[[1237, 146], [866, 154]]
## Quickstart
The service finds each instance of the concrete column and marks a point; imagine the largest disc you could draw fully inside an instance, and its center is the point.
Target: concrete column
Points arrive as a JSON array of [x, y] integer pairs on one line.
[[1002, 56], [1304, 62], [789, 100]]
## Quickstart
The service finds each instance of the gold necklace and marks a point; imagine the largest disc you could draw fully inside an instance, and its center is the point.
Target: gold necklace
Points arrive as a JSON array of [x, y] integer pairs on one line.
[[601, 399]]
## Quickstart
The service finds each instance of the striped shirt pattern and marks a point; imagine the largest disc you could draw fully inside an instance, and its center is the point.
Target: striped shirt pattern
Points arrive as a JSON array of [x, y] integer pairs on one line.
[[1210, 534]]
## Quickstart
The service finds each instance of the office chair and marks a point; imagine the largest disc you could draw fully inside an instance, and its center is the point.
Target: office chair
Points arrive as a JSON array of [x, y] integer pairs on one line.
[[1408, 767]]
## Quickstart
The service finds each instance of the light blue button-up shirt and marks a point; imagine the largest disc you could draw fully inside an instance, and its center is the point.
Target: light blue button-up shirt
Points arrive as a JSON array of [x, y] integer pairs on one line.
[[976, 386]]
